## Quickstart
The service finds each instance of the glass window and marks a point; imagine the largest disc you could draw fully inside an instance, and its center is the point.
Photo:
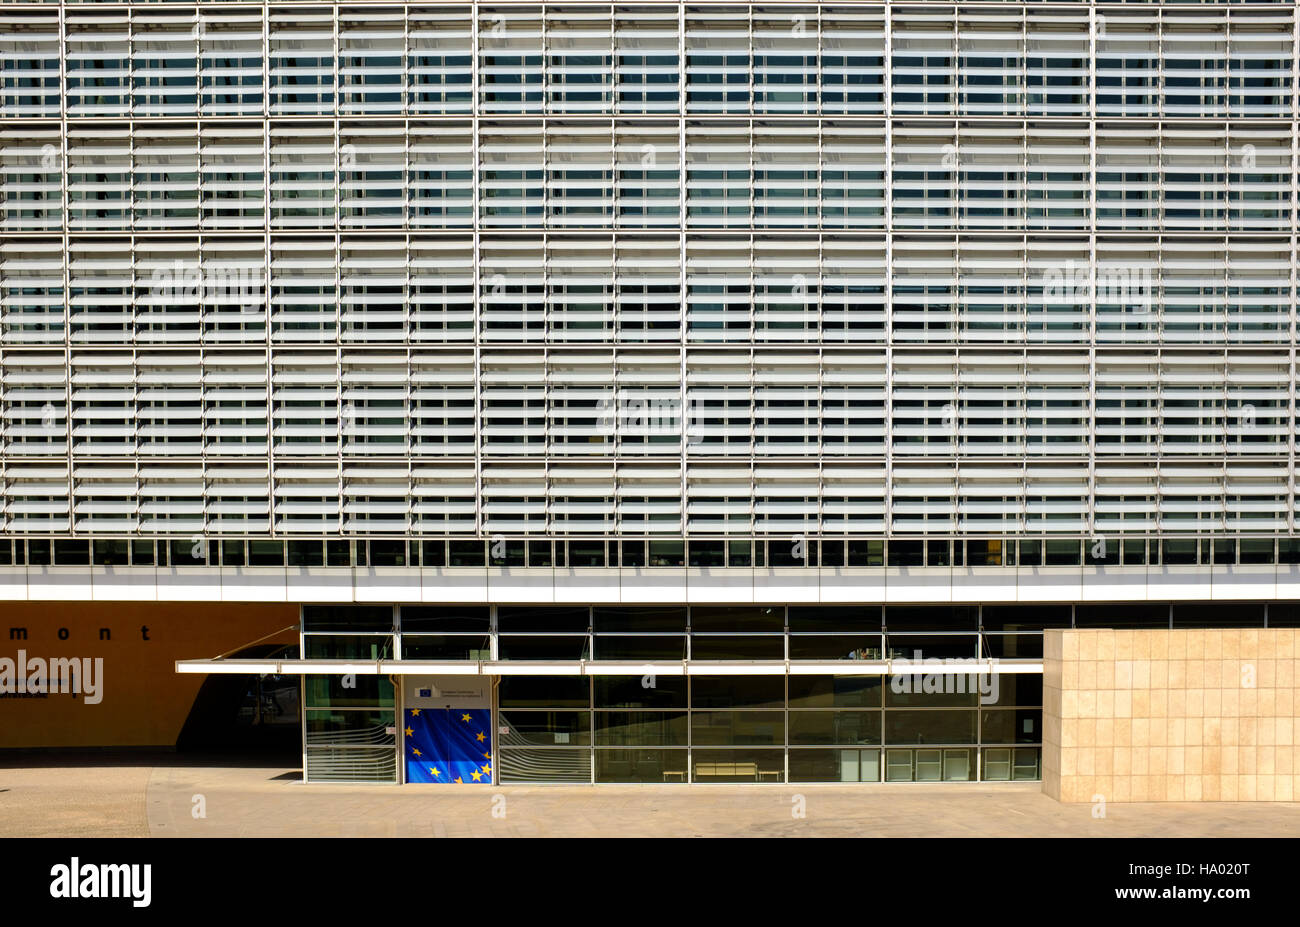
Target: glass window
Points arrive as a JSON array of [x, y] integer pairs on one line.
[[640, 691], [738, 765], [667, 553], [835, 691], [1218, 615], [1122, 615], [744, 618], [932, 646], [1025, 617], [445, 618], [726, 728], [708, 553], [536, 620], [544, 764], [324, 726], [631, 647], [1022, 726], [835, 647], [639, 619], [348, 647], [932, 617], [329, 691], [529, 728], [834, 765], [930, 726], [834, 618], [465, 554], [539, 554], [544, 691], [1014, 646], [554, 647], [641, 765], [377, 618], [735, 647], [938, 690], [1024, 689], [266, 553], [835, 727], [737, 691], [446, 647], [997, 765], [640, 728]]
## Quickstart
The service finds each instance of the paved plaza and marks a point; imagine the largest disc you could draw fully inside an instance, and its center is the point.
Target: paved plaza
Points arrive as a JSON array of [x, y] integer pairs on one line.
[[42, 795]]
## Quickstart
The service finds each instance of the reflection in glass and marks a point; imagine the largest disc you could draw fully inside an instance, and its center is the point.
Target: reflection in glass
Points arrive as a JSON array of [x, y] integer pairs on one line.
[[641, 765], [1014, 646], [542, 764], [643, 619], [932, 646], [357, 727], [834, 727], [378, 618], [738, 766], [906, 690], [445, 647], [841, 618], [557, 647], [619, 647], [348, 647], [705, 647], [835, 691], [640, 728], [737, 692], [835, 647], [834, 765], [365, 692], [1020, 726], [744, 618], [351, 764], [443, 618], [930, 726], [538, 620], [640, 691], [544, 692], [543, 728], [724, 728]]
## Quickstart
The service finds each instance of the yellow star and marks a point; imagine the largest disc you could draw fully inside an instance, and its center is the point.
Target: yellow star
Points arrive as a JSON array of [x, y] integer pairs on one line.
[[487, 756], [481, 737], [416, 751], [459, 781], [409, 732], [464, 718], [487, 767], [415, 712], [477, 775], [436, 772]]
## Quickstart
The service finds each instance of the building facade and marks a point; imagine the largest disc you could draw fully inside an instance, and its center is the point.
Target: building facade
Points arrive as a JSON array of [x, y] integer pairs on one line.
[[654, 385]]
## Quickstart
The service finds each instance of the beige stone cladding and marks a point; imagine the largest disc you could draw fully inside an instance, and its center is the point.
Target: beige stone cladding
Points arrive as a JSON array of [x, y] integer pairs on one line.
[[1171, 715]]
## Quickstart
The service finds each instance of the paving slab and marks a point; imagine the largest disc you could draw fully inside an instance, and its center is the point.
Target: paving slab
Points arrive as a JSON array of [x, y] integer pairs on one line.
[[53, 797]]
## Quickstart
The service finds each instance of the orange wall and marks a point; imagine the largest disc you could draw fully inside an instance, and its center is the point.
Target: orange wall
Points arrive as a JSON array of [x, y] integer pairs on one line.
[[144, 700]]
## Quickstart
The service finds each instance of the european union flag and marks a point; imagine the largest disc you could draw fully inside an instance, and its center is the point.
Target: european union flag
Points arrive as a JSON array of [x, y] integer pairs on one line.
[[448, 745]]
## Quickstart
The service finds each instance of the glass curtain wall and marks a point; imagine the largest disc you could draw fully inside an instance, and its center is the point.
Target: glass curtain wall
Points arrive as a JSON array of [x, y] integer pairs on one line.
[[841, 728]]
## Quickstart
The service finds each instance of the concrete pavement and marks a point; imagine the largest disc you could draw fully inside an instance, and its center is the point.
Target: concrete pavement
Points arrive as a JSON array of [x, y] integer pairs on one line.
[[158, 796]]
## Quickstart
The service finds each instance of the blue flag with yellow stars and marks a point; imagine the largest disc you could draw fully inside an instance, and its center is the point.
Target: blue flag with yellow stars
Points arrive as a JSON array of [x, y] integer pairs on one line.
[[448, 745]]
